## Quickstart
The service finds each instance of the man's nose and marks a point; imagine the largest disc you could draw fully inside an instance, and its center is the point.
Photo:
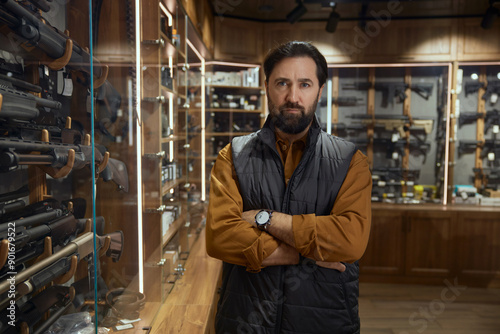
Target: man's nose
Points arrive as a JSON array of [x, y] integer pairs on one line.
[[293, 94]]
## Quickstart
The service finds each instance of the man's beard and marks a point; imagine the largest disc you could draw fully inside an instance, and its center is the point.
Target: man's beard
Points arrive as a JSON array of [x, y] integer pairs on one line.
[[292, 123]]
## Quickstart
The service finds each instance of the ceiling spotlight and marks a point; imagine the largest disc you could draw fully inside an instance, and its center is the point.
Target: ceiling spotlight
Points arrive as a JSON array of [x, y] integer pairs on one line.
[[333, 21], [296, 13], [490, 16]]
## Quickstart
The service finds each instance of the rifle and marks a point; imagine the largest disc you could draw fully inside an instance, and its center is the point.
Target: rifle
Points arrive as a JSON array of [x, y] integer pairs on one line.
[[397, 146], [47, 38], [490, 146], [492, 87], [46, 270], [393, 89], [21, 192], [77, 206], [56, 297], [20, 105], [491, 118], [59, 155], [30, 243], [343, 101], [31, 221], [396, 173], [56, 155], [395, 122], [6, 208]]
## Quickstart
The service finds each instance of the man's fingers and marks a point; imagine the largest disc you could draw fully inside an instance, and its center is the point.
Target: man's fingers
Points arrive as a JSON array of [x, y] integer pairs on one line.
[[332, 265]]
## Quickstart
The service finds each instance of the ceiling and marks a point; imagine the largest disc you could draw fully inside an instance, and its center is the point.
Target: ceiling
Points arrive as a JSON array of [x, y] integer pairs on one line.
[[319, 10]]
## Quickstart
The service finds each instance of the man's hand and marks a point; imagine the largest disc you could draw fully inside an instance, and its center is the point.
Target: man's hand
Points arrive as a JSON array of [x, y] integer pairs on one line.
[[249, 216], [332, 265]]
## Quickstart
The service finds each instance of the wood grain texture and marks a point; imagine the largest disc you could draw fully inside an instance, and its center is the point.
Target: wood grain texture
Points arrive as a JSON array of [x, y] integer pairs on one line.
[[189, 306]]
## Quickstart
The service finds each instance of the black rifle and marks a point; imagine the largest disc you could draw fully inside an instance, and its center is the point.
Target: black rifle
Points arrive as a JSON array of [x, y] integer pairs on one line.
[[41, 4], [6, 208], [488, 146], [31, 221], [491, 87], [21, 83], [46, 37], [398, 146], [14, 152], [343, 101], [21, 192], [396, 174], [30, 243], [393, 89], [19, 105], [491, 118], [47, 205]]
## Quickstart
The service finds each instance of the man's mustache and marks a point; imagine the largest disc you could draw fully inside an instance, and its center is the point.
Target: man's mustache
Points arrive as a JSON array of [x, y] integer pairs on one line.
[[290, 105]]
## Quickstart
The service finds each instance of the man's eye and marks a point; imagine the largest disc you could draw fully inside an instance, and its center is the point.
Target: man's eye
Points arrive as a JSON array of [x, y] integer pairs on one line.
[[282, 83], [305, 85]]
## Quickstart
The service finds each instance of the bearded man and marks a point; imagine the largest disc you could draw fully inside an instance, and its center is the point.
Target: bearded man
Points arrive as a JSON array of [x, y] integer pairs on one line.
[[289, 212]]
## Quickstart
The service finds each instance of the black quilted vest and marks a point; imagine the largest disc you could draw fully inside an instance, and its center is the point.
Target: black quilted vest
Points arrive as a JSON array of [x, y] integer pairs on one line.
[[303, 298]]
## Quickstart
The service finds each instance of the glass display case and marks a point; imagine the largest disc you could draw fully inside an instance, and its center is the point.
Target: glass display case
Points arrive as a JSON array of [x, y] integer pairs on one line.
[[476, 127], [101, 193], [396, 115], [235, 104]]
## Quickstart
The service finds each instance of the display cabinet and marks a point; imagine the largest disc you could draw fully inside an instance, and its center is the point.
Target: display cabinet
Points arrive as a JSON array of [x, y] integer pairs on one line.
[[474, 134], [97, 160], [235, 104], [60, 106], [396, 115]]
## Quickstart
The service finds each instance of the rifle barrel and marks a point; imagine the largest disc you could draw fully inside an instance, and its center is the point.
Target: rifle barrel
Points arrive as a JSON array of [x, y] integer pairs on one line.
[[82, 245], [32, 220], [21, 84]]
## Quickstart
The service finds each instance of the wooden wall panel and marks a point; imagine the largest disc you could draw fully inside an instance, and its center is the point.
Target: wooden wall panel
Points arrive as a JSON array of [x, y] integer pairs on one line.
[[238, 40], [200, 14], [395, 41], [476, 44]]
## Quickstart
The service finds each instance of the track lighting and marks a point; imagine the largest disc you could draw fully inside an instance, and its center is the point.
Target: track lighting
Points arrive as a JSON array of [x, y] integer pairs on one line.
[[296, 13], [490, 16], [333, 20]]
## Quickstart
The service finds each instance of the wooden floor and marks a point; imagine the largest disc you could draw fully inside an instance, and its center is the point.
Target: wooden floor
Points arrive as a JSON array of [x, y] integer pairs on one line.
[[446, 309]]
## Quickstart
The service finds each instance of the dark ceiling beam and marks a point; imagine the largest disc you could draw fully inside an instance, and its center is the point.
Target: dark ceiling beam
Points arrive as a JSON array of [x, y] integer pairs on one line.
[[357, 18]]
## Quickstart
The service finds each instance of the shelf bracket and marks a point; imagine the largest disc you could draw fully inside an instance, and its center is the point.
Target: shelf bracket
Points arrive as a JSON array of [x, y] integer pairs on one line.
[[160, 209], [159, 155], [160, 99], [159, 41]]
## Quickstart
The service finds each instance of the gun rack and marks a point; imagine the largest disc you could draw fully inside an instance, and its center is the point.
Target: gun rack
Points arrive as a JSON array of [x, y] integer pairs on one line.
[[61, 62]]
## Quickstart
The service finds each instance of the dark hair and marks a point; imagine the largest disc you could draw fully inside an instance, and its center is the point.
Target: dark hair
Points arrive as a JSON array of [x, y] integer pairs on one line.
[[296, 49]]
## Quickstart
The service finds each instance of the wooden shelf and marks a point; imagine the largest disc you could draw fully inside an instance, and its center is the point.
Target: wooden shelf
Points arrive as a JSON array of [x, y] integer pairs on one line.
[[190, 305], [171, 139], [234, 110], [236, 87], [226, 134], [169, 185], [172, 230]]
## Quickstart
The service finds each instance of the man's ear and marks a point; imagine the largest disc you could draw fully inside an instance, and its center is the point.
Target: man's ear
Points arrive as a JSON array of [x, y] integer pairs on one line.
[[320, 91]]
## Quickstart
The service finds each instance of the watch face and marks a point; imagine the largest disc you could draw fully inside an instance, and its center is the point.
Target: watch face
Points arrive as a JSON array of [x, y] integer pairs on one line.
[[262, 217]]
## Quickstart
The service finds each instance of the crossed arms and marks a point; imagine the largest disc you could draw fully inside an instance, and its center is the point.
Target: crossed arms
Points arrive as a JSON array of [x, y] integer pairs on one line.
[[339, 237]]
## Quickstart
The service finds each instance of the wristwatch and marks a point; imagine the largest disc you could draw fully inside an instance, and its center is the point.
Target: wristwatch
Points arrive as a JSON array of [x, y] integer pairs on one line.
[[263, 219]]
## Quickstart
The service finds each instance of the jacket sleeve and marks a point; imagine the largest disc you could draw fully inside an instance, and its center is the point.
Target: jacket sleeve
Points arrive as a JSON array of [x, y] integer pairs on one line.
[[228, 237], [342, 235]]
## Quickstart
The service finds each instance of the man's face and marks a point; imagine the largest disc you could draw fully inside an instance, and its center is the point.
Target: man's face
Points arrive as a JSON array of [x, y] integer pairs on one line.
[[293, 92]]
